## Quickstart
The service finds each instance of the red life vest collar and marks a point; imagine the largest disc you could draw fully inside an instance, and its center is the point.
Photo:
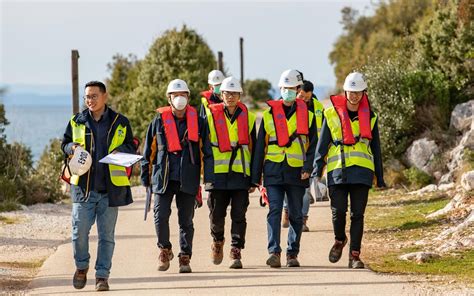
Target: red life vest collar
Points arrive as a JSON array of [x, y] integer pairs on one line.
[[279, 120], [340, 104], [171, 132], [220, 125], [208, 95]]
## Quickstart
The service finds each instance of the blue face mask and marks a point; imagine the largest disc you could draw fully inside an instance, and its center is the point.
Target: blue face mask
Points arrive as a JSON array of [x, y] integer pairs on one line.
[[217, 89], [288, 95]]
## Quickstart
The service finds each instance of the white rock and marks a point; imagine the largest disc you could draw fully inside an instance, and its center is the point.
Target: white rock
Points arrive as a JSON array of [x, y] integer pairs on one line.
[[467, 140], [421, 152], [467, 181], [461, 117], [419, 257], [426, 189], [446, 187]]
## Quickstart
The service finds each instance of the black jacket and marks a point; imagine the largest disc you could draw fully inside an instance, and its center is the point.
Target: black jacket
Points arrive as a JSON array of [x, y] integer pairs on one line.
[[118, 195], [155, 167], [354, 174], [225, 181], [281, 173]]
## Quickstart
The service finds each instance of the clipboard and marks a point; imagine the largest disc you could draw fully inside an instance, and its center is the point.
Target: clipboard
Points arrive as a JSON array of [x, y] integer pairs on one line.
[[121, 159]]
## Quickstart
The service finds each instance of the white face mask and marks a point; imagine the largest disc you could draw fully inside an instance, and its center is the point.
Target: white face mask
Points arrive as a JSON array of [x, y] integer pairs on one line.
[[179, 102]]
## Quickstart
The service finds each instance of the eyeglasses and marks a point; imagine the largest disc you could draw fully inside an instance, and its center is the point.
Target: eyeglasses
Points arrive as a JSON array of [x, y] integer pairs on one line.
[[231, 93], [91, 98]]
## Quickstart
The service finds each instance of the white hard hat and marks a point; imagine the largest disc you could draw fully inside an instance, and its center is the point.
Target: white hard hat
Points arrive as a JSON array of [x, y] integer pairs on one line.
[[231, 84], [177, 85], [215, 77], [80, 162], [290, 78], [355, 82]]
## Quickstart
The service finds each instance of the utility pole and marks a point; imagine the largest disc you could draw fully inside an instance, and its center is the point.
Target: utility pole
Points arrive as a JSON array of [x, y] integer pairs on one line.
[[75, 80], [220, 62], [242, 62]]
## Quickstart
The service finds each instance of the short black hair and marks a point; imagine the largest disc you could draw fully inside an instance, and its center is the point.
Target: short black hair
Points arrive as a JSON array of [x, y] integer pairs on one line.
[[307, 86], [99, 84]]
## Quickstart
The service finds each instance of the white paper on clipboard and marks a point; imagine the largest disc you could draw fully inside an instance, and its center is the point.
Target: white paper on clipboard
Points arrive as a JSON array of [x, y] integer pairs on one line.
[[121, 159]]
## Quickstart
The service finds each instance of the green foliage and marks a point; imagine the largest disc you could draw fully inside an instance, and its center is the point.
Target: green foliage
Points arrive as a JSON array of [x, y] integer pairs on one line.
[[394, 105], [417, 178], [123, 79], [444, 46], [367, 40], [179, 54], [258, 89]]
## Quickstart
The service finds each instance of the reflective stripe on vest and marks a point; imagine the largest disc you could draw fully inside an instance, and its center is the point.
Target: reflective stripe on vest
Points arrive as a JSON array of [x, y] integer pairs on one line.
[[118, 174], [358, 154], [222, 159], [318, 115], [294, 156]]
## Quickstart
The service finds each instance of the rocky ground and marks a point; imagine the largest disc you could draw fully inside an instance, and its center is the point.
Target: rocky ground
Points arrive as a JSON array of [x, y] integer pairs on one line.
[[27, 238]]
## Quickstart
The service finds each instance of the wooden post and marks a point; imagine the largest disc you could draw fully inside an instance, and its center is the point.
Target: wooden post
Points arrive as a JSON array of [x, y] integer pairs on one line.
[[242, 62], [75, 80], [220, 62]]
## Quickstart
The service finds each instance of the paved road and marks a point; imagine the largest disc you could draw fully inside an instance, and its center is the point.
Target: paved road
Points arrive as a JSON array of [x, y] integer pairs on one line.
[[134, 270]]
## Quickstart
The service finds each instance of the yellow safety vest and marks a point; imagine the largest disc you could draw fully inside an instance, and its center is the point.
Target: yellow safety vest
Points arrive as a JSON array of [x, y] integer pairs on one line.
[[358, 154], [294, 154], [118, 174], [318, 114], [222, 159]]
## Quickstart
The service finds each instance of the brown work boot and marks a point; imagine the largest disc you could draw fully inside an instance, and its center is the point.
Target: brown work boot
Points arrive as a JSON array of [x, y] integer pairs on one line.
[[101, 284], [184, 266], [166, 255], [285, 221], [292, 261], [80, 278], [305, 226], [354, 260], [274, 260], [217, 252], [336, 251], [235, 255]]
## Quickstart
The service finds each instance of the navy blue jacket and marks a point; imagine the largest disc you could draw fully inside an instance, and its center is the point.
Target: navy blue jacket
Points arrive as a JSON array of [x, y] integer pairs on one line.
[[118, 195], [354, 174], [230, 180], [156, 168], [281, 173]]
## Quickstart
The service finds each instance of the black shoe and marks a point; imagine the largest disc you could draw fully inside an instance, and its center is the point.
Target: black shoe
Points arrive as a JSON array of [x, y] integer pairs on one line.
[[101, 284], [354, 260], [336, 251], [80, 278]]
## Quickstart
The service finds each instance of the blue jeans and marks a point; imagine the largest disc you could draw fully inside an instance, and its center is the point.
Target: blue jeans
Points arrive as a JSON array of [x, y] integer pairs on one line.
[[306, 199], [276, 194], [84, 215]]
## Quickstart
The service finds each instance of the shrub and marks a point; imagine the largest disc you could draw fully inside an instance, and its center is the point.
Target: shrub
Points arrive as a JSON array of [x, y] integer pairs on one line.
[[417, 178]]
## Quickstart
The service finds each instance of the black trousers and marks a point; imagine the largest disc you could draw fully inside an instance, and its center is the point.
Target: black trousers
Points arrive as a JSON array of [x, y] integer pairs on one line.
[[162, 211], [218, 202], [358, 194]]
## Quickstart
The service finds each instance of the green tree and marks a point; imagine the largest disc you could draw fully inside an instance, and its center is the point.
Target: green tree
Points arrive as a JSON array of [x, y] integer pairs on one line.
[[367, 40], [123, 80], [258, 89], [445, 46], [176, 54]]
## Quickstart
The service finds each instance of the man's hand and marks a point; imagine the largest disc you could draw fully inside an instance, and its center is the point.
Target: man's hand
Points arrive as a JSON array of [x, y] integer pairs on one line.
[[304, 175]]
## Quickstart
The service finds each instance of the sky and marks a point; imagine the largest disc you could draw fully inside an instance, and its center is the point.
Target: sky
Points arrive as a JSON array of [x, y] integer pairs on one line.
[[36, 37]]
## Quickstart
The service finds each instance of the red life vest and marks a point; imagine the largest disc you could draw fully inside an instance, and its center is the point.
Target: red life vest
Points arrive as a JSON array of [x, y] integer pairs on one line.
[[222, 132], [340, 104], [207, 94], [171, 132], [279, 119]]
